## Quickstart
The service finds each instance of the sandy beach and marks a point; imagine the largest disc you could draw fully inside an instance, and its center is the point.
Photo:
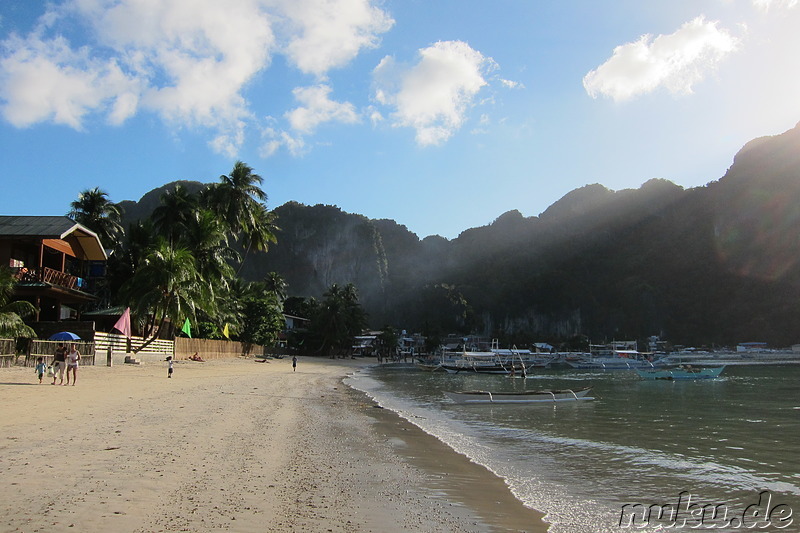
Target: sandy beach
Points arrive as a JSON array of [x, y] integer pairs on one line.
[[231, 445]]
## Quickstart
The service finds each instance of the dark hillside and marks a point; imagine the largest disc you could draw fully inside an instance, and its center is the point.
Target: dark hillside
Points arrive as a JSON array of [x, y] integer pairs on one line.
[[718, 264]]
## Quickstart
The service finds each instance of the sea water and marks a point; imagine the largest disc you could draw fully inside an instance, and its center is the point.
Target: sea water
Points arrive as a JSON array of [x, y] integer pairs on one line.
[[720, 455]]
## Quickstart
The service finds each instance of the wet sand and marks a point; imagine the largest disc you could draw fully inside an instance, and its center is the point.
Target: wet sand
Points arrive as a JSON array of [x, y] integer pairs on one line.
[[231, 445]]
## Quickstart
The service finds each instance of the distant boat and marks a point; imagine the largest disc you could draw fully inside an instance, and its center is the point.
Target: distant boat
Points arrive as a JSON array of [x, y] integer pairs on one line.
[[621, 355], [494, 361], [539, 396], [681, 372], [482, 363], [428, 367]]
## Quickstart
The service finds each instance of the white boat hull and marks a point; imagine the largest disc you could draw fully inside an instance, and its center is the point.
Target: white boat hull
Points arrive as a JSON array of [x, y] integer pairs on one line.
[[543, 396]]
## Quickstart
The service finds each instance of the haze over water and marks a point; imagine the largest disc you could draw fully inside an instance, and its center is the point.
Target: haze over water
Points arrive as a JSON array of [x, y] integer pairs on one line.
[[730, 442]]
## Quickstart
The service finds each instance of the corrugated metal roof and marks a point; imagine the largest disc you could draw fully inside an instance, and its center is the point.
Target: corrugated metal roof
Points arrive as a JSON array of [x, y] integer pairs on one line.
[[36, 226], [53, 227]]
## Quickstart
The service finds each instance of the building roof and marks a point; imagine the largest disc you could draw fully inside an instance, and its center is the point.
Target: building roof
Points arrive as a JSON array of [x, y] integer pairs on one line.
[[54, 227]]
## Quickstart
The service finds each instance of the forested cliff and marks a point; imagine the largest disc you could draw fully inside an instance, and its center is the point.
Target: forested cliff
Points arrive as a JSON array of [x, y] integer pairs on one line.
[[713, 264]]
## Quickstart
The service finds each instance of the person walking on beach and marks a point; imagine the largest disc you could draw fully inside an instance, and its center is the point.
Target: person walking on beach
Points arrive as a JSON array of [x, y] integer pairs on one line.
[[170, 361], [73, 356], [294, 363], [59, 363], [41, 368]]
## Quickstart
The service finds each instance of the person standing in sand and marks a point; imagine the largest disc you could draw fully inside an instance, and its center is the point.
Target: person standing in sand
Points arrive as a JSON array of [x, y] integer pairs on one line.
[[41, 368], [294, 363], [73, 356], [59, 363], [170, 361]]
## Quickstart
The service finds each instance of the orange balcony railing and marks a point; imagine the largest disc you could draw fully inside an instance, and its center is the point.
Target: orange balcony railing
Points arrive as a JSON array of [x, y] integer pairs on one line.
[[49, 275]]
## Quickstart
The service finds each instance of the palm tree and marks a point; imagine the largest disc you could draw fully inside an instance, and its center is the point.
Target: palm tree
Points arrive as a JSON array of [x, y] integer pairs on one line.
[[329, 322], [356, 316], [275, 284], [262, 232], [176, 214], [231, 305], [94, 210], [166, 286], [239, 200], [208, 242], [234, 198], [339, 318], [12, 312]]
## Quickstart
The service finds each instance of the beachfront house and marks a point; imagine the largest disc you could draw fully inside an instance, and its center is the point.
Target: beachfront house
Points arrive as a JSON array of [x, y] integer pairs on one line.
[[58, 262]]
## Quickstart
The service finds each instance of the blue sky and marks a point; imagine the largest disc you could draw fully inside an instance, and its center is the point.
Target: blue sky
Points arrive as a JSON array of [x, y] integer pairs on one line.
[[439, 114]]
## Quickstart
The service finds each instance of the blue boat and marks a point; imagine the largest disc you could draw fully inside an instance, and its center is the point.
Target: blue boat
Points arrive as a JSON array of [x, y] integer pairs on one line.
[[681, 372]]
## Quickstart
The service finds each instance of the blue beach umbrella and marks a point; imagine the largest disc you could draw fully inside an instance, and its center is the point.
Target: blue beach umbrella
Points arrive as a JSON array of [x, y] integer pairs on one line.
[[64, 336]]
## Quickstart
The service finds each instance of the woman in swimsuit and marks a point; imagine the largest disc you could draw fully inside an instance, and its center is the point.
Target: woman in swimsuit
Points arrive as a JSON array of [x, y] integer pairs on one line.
[[73, 356]]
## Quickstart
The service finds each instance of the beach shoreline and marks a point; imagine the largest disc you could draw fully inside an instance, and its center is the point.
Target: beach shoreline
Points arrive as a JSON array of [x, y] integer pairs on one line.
[[232, 445]]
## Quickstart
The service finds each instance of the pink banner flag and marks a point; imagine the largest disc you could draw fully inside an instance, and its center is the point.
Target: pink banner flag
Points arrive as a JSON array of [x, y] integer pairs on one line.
[[123, 325]]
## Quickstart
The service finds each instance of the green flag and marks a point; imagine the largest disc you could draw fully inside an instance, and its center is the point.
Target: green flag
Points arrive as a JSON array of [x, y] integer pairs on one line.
[[187, 327]]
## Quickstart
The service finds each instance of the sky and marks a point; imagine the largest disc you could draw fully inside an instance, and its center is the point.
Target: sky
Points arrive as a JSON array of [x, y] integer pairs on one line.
[[439, 114]]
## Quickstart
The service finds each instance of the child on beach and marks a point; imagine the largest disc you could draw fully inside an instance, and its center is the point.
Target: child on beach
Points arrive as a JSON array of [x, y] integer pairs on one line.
[[169, 372], [41, 368]]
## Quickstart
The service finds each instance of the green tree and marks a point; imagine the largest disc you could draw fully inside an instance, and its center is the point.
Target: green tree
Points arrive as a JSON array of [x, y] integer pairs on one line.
[[176, 214], [338, 319], [136, 245], [387, 340], [263, 320], [275, 284], [239, 200], [13, 312], [167, 286], [94, 210], [262, 233], [207, 239], [236, 197]]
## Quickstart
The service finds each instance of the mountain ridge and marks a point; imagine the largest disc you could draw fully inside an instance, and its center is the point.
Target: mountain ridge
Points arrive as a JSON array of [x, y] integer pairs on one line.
[[711, 264]]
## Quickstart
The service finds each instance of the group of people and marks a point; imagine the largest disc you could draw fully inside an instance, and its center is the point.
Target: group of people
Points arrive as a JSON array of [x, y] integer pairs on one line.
[[64, 360]]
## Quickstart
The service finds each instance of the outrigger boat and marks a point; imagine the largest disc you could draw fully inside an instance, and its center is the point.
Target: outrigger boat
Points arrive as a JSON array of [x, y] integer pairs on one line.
[[619, 355], [476, 355], [538, 396], [681, 372], [484, 363]]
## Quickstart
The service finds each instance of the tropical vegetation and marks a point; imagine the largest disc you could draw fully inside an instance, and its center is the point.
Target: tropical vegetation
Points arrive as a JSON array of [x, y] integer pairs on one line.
[[13, 313], [94, 210], [182, 262]]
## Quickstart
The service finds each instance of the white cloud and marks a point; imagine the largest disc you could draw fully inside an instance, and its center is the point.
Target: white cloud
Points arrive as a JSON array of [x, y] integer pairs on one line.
[[229, 141], [512, 84], [676, 62], [765, 5], [330, 33], [189, 61], [46, 80], [434, 95], [318, 108], [275, 140], [375, 116], [190, 55]]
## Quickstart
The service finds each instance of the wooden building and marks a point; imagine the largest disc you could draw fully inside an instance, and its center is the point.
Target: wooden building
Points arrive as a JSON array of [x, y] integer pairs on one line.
[[57, 261]]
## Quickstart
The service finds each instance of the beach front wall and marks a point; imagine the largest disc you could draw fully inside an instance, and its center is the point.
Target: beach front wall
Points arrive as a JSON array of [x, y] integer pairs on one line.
[[214, 349], [8, 350], [121, 344], [158, 350], [40, 348]]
